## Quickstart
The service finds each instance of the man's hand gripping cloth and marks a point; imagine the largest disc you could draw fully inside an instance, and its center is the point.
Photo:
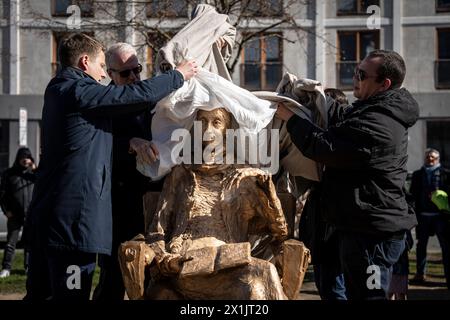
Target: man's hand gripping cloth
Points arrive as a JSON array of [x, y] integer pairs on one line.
[[306, 98]]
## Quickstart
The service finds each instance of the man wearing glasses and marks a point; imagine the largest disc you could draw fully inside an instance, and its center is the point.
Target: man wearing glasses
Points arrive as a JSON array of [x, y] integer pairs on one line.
[[431, 177], [365, 155], [131, 136]]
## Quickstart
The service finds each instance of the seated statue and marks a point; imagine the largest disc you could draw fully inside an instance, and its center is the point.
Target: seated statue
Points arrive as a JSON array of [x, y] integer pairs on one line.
[[199, 243]]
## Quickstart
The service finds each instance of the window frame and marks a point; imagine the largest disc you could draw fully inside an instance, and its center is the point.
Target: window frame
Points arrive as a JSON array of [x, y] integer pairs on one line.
[[436, 63], [277, 14], [358, 33], [84, 14], [263, 61], [440, 9], [149, 11], [358, 11]]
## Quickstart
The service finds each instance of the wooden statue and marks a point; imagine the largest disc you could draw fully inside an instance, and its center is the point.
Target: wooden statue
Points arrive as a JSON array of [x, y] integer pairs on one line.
[[208, 219]]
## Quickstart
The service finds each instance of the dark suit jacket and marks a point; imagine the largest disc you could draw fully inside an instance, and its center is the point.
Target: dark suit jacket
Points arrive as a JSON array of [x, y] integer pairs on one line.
[[71, 206]]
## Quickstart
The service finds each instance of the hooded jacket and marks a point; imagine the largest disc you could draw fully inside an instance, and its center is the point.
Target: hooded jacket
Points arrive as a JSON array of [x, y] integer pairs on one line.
[[365, 156], [16, 187]]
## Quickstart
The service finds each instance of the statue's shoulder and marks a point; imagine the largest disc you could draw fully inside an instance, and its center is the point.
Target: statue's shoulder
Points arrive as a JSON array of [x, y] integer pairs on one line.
[[250, 171]]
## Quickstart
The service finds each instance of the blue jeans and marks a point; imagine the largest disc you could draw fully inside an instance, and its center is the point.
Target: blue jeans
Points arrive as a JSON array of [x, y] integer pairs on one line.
[[329, 282], [367, 262], [427, 226], [71, 274], [328, 274]]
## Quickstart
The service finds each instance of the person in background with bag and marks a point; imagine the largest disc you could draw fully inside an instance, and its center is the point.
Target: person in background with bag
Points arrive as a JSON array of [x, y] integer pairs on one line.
[[431, 177], [440, 199]]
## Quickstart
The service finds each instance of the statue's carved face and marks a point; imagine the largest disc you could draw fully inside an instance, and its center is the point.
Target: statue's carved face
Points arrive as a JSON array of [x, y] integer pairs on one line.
[[214, 126]]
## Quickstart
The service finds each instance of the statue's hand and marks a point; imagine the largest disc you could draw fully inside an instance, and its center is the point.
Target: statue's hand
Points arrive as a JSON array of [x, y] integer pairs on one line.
[[240, 174], [146, 150], [172, 264]]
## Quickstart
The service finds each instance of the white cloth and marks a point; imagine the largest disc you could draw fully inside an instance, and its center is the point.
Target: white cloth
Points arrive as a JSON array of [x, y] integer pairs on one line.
[[205, 91], [197, 40], [311, 105]]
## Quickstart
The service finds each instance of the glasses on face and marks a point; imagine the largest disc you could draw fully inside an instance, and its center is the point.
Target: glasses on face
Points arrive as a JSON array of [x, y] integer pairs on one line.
[[126, 73], [361, 75], [431, 157]]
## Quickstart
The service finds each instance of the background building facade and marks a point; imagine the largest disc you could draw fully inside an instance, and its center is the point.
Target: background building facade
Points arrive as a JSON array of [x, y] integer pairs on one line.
[[324, 40]]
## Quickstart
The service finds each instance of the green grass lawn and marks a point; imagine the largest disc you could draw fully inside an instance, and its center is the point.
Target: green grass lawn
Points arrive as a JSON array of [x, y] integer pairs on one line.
[[16, 282]]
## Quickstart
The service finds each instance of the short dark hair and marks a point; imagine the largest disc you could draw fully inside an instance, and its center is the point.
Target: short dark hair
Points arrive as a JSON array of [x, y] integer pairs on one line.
[[393, 67], [337, 95], [74, 46]]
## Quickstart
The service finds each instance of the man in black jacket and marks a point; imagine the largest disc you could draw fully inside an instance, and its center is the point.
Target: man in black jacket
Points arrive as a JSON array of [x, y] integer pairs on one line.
[[131, 136], [71, 208], [431, 177], [16, 190], [363, 185]]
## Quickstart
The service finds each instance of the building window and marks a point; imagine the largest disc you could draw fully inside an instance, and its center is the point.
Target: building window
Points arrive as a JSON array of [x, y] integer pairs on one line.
[[157, 41], [164, 8], [355, 7], [442, 5], [59, 7], [262, 8], [353, 46], [4, 145], [262, 62], [442, 64], [57, 37], [438, 137]]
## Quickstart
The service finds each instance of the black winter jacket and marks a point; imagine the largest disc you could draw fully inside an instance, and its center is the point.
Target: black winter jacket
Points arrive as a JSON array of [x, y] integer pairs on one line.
[[365, 155], [16, 190], [421, 189]]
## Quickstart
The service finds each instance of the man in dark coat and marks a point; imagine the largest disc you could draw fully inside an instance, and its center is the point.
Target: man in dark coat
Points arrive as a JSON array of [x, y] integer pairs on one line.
[[431, 177], [363, 185], [131, 135], [16, 190], [71, 209]]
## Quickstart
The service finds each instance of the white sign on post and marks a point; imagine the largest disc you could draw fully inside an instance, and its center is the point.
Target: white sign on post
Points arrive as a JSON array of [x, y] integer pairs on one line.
[[23, 119]]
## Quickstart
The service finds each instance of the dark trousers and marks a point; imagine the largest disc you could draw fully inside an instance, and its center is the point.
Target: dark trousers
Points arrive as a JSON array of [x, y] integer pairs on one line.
[[38, 279], [427, 226], [128, 221], [328, 274], [367, 264], [71, 274], [110, 285], [14, 225], [329, 282]]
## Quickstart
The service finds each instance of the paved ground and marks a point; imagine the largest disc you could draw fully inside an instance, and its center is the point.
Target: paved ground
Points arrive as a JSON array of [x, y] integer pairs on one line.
[[433, 289]]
